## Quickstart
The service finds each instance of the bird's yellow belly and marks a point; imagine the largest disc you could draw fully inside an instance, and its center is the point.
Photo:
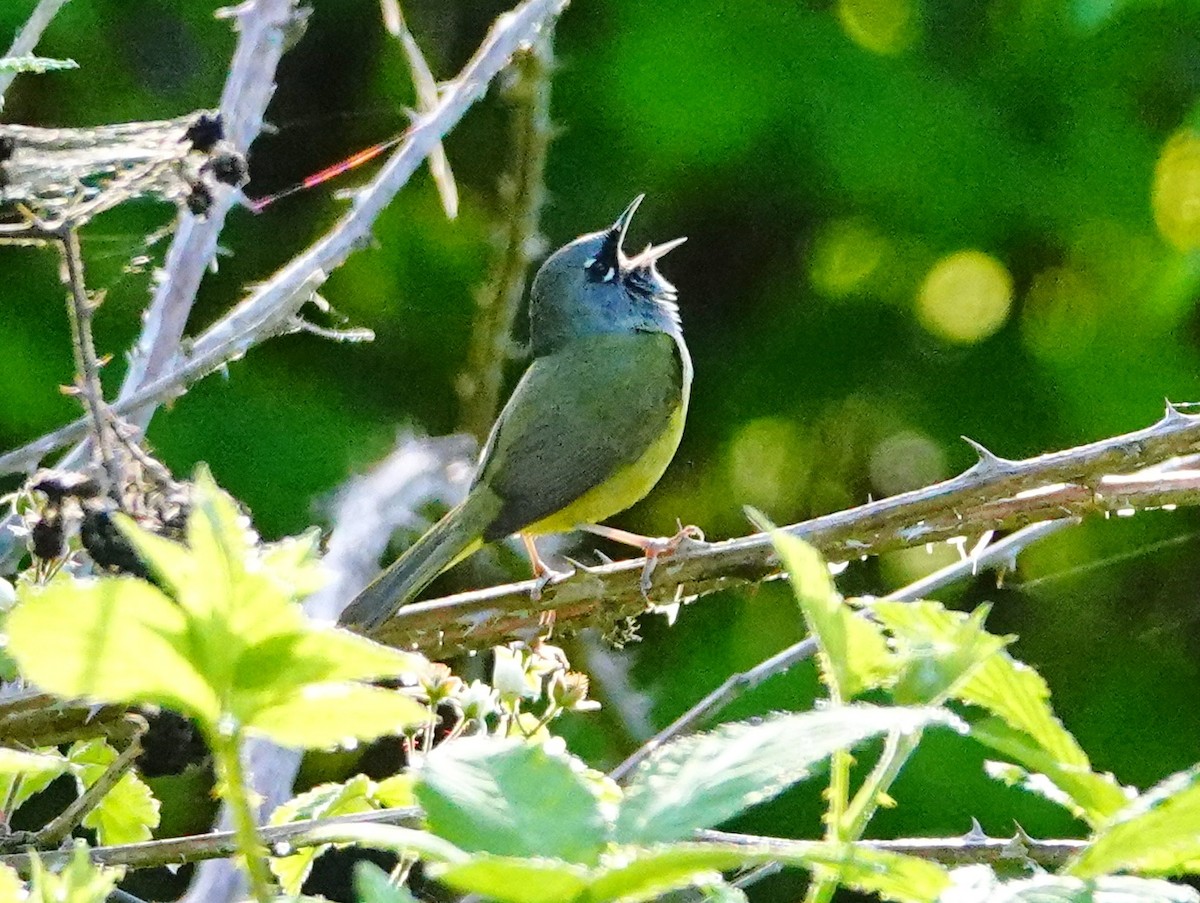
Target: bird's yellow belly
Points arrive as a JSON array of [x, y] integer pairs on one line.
[[622, 489]]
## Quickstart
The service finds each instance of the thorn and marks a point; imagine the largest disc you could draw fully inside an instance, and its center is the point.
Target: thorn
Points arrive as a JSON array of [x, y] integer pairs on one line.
[[1173, 415], [1018, 846], [976, 834], [579, 565], [987, 460]]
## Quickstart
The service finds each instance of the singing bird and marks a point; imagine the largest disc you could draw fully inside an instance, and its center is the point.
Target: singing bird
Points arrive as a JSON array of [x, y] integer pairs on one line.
[[590, 427]]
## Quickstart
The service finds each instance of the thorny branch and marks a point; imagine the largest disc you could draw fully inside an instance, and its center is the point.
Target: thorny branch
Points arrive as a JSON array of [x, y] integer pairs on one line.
[[87, 363], [523, 192], [994, 494], [512, 31], [27, 38], [973, 847]]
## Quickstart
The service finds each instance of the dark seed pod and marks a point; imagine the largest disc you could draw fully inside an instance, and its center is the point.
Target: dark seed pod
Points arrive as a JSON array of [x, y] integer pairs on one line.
[[108, 546], [205, 132]]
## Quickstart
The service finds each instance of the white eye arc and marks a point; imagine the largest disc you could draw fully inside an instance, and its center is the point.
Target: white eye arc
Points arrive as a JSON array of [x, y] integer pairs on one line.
[[590, 262], [609, 274]]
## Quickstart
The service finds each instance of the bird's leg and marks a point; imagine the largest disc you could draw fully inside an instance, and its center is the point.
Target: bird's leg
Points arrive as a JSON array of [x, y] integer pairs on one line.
[[542, 572], [653, 547]]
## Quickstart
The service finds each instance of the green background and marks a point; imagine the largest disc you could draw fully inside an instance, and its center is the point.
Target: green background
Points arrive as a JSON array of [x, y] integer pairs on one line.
[[822, 160]]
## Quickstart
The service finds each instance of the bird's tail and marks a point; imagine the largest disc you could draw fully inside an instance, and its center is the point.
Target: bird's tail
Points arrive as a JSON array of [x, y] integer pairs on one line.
[[455, 536]]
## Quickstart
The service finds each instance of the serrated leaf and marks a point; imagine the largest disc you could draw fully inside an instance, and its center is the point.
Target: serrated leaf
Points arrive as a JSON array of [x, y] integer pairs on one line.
[[940, 649], [322, 801], [1029, 732], [511, 798], [704, 779], [854, 655], [23, 774], [115, 640], [645, 873], [79, 881], [990, 678], [330, 714], [11, 885], [372, 885], [1063, 785], [396, 792], [1158, 833], [979, 884], [129, 812], [511, 879]]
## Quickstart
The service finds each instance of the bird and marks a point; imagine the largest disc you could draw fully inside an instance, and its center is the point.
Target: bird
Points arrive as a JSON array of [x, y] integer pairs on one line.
[[589, 428]]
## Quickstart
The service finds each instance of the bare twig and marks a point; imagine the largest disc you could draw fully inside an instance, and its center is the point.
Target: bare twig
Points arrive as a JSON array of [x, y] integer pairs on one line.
[[425, 86], [62, 825], [974, 847], [34, 719], [263, 27], [87, 363], [971, 848], [523, 193], [995, 494], [27, 38], [512, 31], [217, 845], [730, 690]]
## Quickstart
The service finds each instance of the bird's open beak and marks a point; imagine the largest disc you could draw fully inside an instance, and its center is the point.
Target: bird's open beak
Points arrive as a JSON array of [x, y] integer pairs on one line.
[[612, 251]]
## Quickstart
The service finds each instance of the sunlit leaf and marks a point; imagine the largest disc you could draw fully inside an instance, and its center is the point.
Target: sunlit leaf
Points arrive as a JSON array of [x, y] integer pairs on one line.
[[701, 780], [116, 640], [373, 885], [129, 812], [323, 715], [23, 774], [1158, 833], [853, 652], [77, 882], [322, 801], [940, 649], [511, 879], [1085, 793], [979, 884], [511, 798]]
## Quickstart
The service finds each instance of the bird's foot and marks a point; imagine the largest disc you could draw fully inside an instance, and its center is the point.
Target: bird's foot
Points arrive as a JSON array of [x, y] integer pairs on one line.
[[652, 547]]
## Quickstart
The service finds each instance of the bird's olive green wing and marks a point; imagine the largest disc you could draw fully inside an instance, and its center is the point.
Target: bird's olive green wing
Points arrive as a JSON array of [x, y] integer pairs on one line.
[[576, 418]]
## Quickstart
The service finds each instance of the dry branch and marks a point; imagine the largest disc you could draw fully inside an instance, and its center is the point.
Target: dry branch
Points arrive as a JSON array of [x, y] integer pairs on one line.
[[1111, 476]]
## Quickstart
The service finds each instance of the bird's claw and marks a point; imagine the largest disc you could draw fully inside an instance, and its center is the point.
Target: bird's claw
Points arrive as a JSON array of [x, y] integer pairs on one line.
[[543, 578], [664, 546]]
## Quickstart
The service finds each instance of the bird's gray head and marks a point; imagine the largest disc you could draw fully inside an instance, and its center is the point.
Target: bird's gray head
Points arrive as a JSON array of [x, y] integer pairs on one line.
[[592, 287]]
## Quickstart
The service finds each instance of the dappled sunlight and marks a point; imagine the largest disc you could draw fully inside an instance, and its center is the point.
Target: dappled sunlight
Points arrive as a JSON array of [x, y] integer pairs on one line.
[[965, 298]]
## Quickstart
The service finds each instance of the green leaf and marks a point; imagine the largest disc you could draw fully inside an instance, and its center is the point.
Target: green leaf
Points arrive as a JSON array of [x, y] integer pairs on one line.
[[323, 715], [372, 885], [11, 885], [516, 880], [1063, 785], [704, 779], [24, 774], [940, 649], [511, 798], [77, 882], [128, 813], [1020, 698], [322, 801], [34, 64], [1158, 833], [645, 873], [978, 884], [116, 640], [951, 653], [854, 655], [394, 839]]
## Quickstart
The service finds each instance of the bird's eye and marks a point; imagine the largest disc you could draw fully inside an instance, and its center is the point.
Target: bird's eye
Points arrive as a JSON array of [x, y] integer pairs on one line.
[[599, 270]]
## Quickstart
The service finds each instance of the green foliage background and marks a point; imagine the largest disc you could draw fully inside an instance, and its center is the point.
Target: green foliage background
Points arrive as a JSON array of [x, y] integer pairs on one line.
[[822, 158]]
